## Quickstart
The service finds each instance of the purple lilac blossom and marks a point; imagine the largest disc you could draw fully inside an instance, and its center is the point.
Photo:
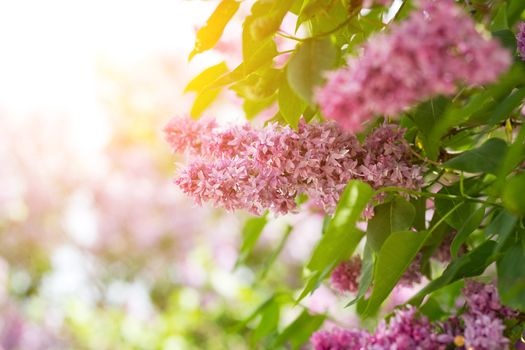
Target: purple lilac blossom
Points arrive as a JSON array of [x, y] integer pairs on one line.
[[339, 339], [345, 277], [520, 38]]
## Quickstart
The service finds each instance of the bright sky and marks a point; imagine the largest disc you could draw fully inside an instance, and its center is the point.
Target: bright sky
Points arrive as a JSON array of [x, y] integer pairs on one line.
[[49, 49]]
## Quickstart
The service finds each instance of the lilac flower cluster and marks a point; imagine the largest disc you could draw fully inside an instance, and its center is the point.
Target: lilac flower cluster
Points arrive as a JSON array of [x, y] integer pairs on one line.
[[483, 320], [520, 38], [405, 330], [340, 339], [426, 55], [266, 169], [479, 327], [345, 277]]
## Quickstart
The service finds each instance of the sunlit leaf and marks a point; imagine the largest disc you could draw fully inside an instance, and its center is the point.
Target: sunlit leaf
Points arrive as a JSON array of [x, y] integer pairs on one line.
[[341, 236], [290, 105], [307, 66], [210, 33], [206, 77]]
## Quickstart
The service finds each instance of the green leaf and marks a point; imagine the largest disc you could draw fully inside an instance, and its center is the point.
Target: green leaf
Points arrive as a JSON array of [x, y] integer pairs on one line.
[[210, 33], [277, 298], [454, 210], [471, 223], [252, 108], [275, 254], [511, 278], [515, 11], [306, 67], [476, 110], [513, 158], [484, 159], [312, 8], [468, 265], [507, 106], [393, 216], [507, 38], [291, 106], [268, 323], [427, 117], [502, 225], [420, 205], [206, 77], [432, 310], [367, 273], [427, 114], [259, 85], [341, 236], [250, 235], [500, 20], [261, 58], [514, 194], [262, 23], [300, 330], [342, 228], [396, 254], [203, 101]]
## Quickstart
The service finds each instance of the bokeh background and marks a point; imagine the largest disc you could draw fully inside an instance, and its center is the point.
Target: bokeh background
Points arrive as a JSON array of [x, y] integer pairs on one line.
[[98, 249]]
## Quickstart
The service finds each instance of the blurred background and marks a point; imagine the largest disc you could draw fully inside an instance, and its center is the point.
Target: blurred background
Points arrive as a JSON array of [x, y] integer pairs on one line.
[[98, 249]]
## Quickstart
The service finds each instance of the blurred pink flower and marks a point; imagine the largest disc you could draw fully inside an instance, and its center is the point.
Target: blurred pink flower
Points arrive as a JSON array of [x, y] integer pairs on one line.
[[426, 55]]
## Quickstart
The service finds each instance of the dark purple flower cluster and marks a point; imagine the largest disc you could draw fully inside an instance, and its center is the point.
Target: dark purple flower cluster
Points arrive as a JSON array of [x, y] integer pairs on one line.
[[479, 327], [405, 330], [520, 38], [484, 317]]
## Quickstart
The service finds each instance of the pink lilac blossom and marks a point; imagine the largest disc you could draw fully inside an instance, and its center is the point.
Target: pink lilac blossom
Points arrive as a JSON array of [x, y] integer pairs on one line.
[[431, 52], [339, 339], [259, 169], [405, 330], [345, 277], [520, 38]]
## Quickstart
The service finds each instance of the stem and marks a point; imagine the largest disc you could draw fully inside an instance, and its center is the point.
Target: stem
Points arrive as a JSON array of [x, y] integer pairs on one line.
[[419, 156], [284, 52], [291, 37], [440, 221], [438, 177], [436, 195], [320, 35]]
